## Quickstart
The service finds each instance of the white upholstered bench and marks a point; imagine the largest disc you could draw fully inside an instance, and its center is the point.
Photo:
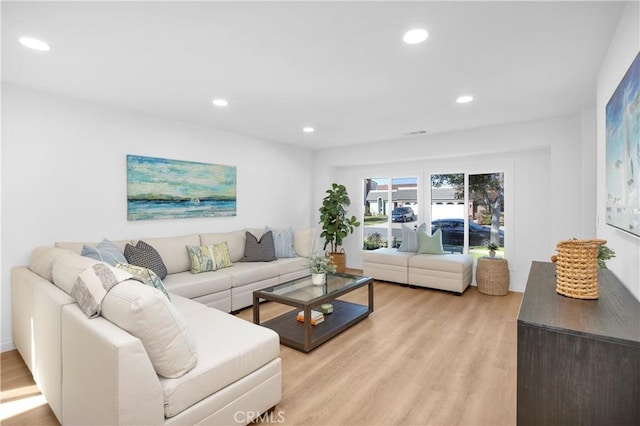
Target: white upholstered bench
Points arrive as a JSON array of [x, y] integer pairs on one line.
[[450, 272]]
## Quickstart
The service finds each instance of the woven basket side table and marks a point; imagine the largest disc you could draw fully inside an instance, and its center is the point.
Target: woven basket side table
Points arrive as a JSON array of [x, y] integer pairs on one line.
[[492, 276]]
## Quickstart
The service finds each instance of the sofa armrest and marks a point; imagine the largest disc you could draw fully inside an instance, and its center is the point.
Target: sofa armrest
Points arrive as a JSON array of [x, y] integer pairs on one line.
[[108, 377]]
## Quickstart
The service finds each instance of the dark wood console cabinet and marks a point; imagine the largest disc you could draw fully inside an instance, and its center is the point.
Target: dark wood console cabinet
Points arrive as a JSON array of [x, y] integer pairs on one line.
[[578, 360]]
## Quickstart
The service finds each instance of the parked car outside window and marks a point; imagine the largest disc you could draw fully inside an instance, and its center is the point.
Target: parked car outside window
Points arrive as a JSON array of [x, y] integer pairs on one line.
[[402, 214], [453, 232]]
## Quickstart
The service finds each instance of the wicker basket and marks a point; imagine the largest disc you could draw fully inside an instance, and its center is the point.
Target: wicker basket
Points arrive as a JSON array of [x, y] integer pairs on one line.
[[577, 268], [492, 276]]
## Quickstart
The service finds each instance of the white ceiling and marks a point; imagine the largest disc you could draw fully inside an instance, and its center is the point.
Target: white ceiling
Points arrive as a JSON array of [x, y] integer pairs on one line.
[[340, 67]]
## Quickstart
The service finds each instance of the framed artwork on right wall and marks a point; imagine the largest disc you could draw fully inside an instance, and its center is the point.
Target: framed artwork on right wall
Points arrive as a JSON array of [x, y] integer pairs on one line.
[[623, 153]]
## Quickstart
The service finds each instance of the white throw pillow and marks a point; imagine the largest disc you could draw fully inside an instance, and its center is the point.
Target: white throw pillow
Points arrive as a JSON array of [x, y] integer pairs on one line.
[[147, 314]]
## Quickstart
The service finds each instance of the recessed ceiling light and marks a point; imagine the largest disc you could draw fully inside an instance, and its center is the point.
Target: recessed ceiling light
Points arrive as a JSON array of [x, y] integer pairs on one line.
[[415, 36], [35, 44], [464, 99], [220, 102], [308, 130]]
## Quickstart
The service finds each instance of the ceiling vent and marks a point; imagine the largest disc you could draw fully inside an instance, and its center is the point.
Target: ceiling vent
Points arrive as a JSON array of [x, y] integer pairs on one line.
[[416, 133]]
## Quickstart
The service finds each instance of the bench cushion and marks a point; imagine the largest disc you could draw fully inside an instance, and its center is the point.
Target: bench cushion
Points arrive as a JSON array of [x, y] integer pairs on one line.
[[458, 263], [387, 256]]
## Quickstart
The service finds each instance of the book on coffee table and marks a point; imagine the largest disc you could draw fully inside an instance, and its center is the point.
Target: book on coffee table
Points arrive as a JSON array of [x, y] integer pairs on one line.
[[316, 317]]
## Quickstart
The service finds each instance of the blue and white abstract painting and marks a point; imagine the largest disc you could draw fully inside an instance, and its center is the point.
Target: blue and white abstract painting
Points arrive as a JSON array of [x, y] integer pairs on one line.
[[623, 153], [158, 188]]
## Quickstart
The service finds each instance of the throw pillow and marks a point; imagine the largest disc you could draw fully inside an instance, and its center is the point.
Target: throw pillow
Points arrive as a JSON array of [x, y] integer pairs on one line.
[[410, 238], [144, 275], [430, 244], [221, 255], [261, 250], [283, 242], [142, 254], [201, 259], [105, 251], [148, 315], [92, 286]]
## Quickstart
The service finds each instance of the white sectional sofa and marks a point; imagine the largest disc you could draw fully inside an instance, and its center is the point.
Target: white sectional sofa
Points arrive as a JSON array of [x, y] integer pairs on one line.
[[450, 272], [92, 371]]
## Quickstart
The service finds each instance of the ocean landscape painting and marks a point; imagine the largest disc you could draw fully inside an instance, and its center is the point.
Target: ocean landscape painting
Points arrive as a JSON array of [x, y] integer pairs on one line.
[[623, 153], [159, 188]]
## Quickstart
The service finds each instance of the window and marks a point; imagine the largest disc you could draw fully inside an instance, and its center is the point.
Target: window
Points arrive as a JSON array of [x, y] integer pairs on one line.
[[389, 203], [468, 227]]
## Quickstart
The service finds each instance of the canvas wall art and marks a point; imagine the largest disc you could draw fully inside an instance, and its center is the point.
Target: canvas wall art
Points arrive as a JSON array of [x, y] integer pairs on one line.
[[623, 153], [158, 188]]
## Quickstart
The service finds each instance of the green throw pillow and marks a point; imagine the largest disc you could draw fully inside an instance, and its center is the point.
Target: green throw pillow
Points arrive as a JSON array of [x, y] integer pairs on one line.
[[221, 255], [430, 244], [201, 259], [145, 276], [208, 258]]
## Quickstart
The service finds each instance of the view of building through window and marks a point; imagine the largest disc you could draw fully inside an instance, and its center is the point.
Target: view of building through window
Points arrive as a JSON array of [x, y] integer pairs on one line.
[[467, 208], [388, 204]]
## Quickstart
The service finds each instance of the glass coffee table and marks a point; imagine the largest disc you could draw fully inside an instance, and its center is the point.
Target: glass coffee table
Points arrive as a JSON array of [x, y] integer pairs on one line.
[[304, 295]]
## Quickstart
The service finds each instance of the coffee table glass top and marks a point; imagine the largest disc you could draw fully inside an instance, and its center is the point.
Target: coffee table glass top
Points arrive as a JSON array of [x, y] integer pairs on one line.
[[303, 290]]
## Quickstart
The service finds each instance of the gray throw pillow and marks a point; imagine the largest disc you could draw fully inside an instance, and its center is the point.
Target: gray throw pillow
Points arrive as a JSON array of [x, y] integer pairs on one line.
[[142, 254], [261, 250]]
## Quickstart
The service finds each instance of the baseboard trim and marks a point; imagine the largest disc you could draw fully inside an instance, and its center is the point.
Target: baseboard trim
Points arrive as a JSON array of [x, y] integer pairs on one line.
[[7, 345]]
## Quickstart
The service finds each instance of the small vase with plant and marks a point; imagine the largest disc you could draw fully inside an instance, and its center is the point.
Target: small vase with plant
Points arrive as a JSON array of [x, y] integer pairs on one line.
[[319, 265], [336, 223], [492, 246]]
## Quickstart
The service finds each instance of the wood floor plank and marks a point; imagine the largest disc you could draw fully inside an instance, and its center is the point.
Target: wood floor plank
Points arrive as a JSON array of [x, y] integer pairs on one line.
[[423, 357]]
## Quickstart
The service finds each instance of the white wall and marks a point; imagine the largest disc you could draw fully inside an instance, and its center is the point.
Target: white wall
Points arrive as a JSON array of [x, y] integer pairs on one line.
[[545, 186], [624, 47], [64, 176]]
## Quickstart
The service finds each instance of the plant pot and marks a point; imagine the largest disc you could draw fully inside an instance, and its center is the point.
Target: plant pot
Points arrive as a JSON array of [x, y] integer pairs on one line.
[[318, 279], [340, 260], [492, 253]]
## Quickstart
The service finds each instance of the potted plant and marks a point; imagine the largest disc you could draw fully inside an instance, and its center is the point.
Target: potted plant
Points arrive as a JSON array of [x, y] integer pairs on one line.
[[336, 223], [319, 265], [604, 254], [374, 241], [492, 246]]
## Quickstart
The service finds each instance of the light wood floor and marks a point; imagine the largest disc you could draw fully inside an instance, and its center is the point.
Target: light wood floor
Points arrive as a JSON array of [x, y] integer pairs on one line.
[[423, 357]]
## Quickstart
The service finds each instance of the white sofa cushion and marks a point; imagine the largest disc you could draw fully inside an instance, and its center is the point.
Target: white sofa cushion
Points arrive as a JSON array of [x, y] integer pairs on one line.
[[192, 286], [147, 314], [229, 348], [66, 269], [303, 241], [293, 264], [41, 260], [235, 242], [173, 251], [252, 272]]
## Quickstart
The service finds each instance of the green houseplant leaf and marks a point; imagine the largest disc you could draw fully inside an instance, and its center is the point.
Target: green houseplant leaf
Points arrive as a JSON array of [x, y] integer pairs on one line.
[[336, 224]]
